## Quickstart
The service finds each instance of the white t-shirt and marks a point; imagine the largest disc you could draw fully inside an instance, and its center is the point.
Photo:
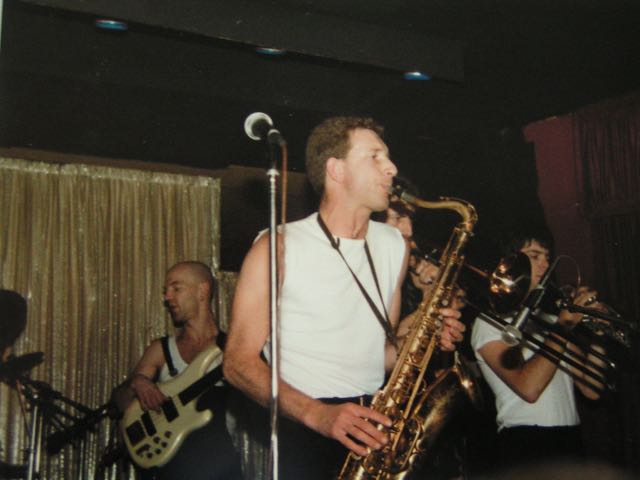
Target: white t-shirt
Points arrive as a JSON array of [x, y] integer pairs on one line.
[[331, 343], [179, 364], [556, 405]]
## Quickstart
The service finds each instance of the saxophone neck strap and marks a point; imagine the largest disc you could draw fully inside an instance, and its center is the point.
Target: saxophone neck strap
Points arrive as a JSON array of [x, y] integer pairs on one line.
[[384, 320]]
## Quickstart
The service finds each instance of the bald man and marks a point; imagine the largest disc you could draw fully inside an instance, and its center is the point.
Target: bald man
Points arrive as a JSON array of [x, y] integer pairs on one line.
[[207, 453]]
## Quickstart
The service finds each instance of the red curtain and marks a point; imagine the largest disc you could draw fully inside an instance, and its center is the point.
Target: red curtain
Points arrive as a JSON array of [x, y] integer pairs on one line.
[[588, 166], [607, 148], [559, 194], [607, 153]]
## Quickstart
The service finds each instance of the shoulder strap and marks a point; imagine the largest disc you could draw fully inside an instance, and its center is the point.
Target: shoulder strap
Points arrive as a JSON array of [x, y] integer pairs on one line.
[[221, 339], [167, 356]]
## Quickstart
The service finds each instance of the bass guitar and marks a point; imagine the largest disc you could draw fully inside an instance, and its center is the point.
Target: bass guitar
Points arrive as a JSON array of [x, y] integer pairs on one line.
[[153, 438]]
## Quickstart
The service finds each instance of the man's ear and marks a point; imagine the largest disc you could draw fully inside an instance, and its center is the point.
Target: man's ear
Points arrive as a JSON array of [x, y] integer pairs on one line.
[[335, 169], [203, 291]]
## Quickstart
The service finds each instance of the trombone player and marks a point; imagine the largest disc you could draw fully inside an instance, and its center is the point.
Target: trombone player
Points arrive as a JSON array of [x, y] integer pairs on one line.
[[536, 409]]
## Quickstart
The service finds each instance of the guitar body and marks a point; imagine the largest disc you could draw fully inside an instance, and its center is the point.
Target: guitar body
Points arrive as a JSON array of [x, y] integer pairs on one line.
[[153, 438]]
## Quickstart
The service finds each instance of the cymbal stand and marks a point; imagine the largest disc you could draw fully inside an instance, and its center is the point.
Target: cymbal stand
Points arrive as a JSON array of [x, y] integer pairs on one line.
[[44, 410], [35, 432]]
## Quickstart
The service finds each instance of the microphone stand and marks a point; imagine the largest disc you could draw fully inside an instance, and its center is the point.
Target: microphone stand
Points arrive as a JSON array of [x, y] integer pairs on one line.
[[258, 126], [273, 174], [57, 440], [512, 334], [35, 437]]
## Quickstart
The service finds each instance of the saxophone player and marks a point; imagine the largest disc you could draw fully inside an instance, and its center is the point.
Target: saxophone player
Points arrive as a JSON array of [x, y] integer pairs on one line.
[[536, 409], [339, 306]]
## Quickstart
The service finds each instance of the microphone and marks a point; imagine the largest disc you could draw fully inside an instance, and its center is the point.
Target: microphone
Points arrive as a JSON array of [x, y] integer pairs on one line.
[[512, 334], [57, 440], [259, 126]]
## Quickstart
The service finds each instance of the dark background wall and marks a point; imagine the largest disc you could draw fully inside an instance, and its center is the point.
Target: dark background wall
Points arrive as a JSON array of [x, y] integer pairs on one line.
[[157, 93]]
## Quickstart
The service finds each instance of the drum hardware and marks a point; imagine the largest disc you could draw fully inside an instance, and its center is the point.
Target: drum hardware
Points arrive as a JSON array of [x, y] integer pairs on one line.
[[48, 407], [46, 412]]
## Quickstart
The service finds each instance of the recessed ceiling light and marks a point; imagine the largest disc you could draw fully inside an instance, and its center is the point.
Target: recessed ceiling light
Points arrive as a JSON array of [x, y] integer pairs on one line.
[[108, 24], [274, 52], [416, 75]]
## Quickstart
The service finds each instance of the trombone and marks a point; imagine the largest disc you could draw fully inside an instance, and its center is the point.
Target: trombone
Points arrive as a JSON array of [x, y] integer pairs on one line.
[[508, 288]]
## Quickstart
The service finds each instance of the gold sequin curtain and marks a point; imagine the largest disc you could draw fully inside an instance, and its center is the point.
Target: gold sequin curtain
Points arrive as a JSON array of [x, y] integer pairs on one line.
[[88, 247]]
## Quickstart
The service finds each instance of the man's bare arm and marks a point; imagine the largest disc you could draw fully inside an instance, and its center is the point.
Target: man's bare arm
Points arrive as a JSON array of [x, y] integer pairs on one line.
[[140, 383], [528, 379]]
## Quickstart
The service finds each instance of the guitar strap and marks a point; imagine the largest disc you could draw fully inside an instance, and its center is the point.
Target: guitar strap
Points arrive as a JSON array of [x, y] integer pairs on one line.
[[173, 371]]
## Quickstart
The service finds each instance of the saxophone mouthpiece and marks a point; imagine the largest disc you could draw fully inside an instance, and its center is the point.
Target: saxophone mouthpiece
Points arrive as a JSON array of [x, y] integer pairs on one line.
[[398, 200], [399, 191]]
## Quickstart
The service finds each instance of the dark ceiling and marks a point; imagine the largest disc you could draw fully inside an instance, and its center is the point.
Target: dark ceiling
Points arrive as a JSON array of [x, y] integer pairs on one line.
[[178, 84]]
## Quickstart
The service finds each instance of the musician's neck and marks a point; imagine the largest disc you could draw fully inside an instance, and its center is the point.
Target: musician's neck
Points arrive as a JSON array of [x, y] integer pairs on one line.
[[200, 330], [343, 221]]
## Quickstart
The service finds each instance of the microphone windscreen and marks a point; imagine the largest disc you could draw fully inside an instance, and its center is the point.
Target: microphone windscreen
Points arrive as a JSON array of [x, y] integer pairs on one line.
[[257, 125]]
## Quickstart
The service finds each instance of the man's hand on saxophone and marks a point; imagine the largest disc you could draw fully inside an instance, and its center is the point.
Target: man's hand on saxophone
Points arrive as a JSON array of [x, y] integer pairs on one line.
[[452, 329], [423, 274], [353, 425]]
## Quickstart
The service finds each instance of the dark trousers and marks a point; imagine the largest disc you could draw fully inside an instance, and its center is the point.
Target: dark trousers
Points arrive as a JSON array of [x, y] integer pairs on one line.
[[534, 444], [305, 454]]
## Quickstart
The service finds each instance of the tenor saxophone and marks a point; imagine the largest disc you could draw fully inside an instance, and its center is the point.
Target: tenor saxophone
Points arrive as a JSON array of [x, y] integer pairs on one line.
[[406, 399]]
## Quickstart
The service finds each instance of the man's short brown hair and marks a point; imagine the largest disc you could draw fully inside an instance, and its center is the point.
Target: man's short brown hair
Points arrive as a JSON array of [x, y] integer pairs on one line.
[[331, 139]]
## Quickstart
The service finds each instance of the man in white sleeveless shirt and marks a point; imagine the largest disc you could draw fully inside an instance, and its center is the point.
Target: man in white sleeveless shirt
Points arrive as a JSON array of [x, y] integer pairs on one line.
[[207, 453], [340, 302]]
